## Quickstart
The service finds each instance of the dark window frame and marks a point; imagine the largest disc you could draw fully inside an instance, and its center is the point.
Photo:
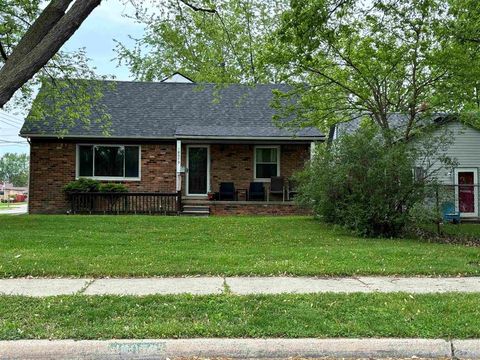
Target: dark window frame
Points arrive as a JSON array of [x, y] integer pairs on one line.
[[109, 178], [255, 163]]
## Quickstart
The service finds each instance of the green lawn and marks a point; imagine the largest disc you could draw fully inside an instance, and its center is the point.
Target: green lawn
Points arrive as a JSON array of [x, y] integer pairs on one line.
[[470, 230], [326, 315], [147, 245]]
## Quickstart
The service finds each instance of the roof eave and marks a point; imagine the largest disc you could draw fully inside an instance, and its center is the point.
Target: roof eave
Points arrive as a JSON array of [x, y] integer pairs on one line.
[[269, 138], [179, 137]]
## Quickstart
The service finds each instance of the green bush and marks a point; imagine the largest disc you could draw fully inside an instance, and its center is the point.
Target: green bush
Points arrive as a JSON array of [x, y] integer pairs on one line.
[[113, 187], [364, 184], [90, 185], [82, 185]]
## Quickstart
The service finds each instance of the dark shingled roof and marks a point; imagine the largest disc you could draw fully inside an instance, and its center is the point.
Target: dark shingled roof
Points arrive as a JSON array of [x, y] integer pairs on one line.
[[396, 121], [181, 110]]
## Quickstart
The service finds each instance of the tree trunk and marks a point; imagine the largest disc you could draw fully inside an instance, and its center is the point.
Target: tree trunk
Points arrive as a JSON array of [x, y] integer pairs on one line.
[[41, 42]]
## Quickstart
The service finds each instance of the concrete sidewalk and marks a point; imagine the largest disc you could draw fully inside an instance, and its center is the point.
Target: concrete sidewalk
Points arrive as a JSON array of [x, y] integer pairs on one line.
[[240, 348], [14, 210], [235, 285]]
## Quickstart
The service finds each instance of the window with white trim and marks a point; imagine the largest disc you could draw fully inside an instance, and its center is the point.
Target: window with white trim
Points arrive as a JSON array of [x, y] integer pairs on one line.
[[267, 162], [109, 162]]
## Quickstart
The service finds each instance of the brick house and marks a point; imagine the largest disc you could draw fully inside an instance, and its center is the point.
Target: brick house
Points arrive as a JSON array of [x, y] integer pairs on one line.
[[170, 137]]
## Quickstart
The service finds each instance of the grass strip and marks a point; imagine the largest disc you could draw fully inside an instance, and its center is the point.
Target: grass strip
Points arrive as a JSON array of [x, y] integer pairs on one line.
[[322, 315], [139, 246]]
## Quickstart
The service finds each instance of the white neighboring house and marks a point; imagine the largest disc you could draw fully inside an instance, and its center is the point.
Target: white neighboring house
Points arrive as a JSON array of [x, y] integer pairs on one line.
[[463, 177], [461, 181], [177, 78]]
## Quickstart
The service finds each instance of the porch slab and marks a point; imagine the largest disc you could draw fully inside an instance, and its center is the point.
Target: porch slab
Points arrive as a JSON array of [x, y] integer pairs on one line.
[[161, 286], [42, 287], [291, 285]]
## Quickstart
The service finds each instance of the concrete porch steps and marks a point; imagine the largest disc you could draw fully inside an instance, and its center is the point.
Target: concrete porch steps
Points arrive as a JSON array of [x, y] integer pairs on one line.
[[196, 210]]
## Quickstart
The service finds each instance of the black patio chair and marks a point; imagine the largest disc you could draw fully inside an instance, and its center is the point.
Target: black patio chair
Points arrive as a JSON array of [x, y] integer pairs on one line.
[[227, 191], [291, 189], [277, 186], [256, 191]]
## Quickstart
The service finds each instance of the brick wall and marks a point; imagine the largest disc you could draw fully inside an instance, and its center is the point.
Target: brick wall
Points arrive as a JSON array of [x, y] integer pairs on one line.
[[234, 163], [242, 208], [52, 166]]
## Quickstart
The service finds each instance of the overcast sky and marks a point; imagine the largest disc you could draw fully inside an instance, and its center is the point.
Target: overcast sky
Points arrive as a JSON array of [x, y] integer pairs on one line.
[[96, 34]]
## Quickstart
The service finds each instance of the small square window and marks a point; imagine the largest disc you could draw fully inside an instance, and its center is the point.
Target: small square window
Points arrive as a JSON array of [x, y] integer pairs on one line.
[[266, 162]]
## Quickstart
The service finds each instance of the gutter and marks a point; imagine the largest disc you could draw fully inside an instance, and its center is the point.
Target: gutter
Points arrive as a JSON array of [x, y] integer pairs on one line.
[[173, 138]]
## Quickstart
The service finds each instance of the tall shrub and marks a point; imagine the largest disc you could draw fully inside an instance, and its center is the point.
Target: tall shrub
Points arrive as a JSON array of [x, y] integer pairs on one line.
[[364, 184]]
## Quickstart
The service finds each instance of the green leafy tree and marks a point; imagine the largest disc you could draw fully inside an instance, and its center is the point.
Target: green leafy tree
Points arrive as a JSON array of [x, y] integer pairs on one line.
[[345, 59], [376, 58], [31, 36], [220, 41], [14, 169], [367, 185]]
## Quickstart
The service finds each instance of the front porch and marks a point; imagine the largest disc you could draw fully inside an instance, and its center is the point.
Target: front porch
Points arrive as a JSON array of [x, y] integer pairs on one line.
[[202, 168]]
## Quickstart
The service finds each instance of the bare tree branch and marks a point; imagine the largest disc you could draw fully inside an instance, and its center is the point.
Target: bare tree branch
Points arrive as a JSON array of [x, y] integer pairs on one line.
[[54, 11], [250, 45], [230, 42], [41, 42], [3, 53], [196, 8]]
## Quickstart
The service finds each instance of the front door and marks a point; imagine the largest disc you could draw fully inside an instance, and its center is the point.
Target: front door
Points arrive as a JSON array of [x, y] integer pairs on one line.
[[467, 192], [198, 168]]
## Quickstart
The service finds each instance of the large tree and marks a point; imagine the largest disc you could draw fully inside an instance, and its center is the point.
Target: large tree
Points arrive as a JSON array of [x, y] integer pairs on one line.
[[377, 58], [344, 58], [223, 41], [14, 169], [31, 37]]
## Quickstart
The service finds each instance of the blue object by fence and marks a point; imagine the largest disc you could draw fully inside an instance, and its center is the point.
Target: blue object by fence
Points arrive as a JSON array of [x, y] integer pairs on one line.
[[450, 214]]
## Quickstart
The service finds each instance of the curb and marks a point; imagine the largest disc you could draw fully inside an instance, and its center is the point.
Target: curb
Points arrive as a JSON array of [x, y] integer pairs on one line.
[[240, 348]]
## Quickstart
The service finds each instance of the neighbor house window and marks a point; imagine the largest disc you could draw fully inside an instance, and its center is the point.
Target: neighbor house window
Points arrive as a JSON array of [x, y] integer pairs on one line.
[[108, 161], [267, 162], [419, 174]]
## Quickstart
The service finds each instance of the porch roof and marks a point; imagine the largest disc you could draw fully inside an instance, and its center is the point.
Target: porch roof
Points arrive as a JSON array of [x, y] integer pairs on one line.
[[245, 132]]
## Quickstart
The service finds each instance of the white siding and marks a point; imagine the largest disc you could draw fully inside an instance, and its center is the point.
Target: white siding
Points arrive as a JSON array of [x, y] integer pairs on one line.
[[465, 149], [177, 78]]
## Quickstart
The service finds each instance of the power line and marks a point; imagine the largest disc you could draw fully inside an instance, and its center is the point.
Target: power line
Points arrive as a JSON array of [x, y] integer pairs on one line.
[[12, 141], [10, 120], [11, 117], [16, 126]]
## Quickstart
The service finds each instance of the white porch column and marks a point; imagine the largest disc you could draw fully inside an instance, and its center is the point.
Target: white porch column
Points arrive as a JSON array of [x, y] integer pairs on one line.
[[179, 166], [312, 150]]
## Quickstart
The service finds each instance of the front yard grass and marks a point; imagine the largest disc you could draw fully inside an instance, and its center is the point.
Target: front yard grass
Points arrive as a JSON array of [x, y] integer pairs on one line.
[[293, 316], [470, 230], [139, 246]]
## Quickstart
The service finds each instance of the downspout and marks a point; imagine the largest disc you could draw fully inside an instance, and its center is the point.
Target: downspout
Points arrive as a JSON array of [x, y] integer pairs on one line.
[[178, 183]]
